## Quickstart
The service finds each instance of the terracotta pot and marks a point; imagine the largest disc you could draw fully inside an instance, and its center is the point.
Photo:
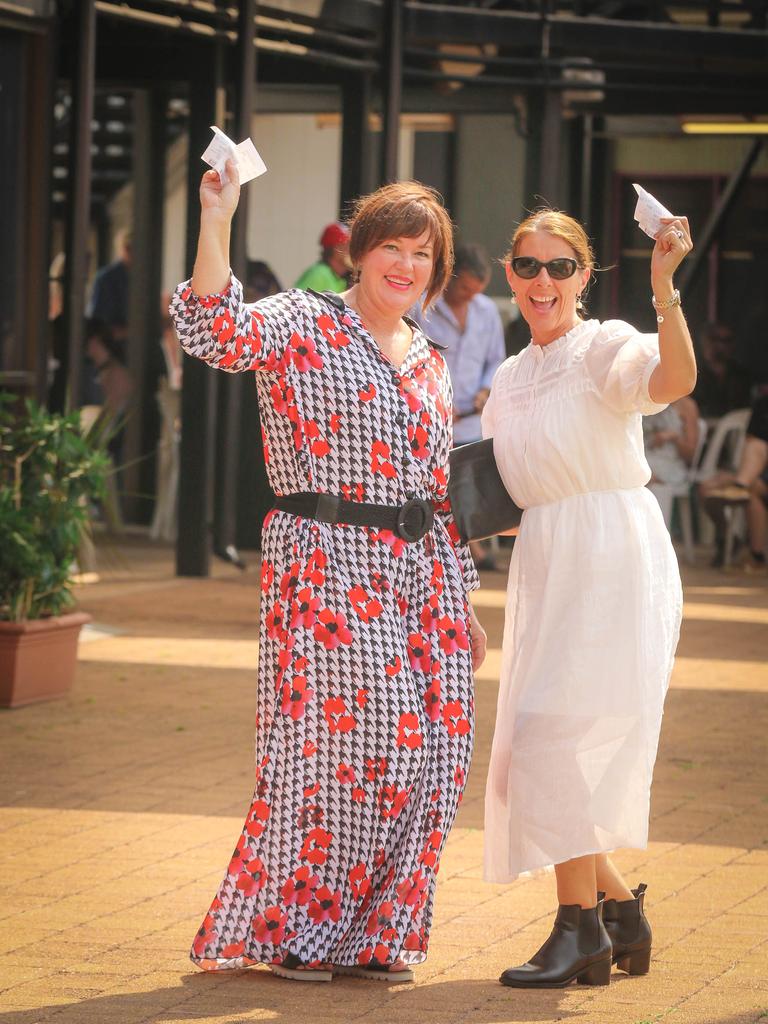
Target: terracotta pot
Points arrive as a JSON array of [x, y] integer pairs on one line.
[[38, 658]]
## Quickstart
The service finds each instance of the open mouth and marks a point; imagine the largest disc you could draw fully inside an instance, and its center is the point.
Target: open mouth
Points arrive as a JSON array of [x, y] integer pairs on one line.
[[401, 283], [543, 303]]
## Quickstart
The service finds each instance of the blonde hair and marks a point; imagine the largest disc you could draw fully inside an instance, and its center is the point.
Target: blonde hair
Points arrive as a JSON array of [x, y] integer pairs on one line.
[[405, 209], [560, 225]]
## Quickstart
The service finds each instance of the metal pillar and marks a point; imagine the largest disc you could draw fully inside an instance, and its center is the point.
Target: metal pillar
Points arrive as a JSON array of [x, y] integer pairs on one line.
[[79, 205], [717, 218], [198, 396], [144, 358], [392, 87], [231, 384], [355, 139], [42, 85]]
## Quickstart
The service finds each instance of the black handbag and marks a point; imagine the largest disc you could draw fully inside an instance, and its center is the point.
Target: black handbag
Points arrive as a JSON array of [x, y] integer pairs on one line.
[[480, 502]]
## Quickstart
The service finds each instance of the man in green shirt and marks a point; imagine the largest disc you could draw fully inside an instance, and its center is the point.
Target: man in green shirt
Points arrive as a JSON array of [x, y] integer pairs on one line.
[[329, 273]]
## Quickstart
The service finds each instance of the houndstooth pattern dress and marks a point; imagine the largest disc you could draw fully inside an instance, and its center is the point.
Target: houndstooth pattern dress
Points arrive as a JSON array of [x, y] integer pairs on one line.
[[365, 712]]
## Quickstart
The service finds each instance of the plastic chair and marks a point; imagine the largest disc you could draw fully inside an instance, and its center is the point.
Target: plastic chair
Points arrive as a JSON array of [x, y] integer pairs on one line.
[[668, 495], [724, 453]]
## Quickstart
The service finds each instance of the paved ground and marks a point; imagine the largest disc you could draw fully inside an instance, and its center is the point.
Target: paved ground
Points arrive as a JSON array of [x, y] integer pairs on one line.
[[122, 802]]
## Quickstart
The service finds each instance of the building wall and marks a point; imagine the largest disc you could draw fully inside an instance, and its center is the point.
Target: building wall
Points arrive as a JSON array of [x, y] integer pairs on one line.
[[714, 154]]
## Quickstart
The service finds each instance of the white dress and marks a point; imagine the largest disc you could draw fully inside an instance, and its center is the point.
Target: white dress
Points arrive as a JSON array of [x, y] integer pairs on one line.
[[593, 602]]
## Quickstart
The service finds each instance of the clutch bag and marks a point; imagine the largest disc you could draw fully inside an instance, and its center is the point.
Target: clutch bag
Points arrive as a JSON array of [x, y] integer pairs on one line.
[[480, 502]]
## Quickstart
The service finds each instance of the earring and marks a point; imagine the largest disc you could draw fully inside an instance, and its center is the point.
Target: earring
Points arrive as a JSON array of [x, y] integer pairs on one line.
[[579, 303], [513, 298]]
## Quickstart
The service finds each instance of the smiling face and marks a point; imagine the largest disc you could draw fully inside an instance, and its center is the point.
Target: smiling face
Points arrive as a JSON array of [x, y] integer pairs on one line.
[[547, 305], [394, 273]]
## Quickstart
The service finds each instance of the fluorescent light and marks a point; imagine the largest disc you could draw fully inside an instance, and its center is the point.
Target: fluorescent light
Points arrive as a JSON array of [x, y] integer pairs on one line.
[[725, 127]]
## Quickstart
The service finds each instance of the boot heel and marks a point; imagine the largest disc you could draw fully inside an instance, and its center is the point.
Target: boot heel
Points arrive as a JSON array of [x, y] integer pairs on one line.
[[636, 963], [597, 974]]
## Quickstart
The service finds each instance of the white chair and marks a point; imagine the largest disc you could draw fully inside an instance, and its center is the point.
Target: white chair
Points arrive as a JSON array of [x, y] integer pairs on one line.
[[669, 494], [724, 453]]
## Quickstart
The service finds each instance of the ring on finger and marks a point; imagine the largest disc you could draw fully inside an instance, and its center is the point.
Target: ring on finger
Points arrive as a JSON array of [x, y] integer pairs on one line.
[[679, 233]]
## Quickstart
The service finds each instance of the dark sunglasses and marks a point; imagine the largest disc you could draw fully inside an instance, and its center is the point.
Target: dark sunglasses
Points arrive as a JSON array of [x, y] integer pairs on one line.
[[528, 267]]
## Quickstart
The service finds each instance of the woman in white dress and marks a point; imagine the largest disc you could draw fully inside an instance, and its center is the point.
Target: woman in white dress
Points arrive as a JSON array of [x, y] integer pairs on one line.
[[593, 600]]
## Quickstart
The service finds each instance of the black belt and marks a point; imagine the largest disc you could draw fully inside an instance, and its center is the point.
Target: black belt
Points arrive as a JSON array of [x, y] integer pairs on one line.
[[410, 521]]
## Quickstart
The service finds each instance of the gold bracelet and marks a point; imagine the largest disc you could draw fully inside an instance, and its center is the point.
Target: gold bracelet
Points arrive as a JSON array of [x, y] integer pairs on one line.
[[659, 304]]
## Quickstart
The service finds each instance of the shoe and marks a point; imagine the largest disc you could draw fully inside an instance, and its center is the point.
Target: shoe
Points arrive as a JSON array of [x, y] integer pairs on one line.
[[296, 970], [629, 931], [377, 972], [579, 949]]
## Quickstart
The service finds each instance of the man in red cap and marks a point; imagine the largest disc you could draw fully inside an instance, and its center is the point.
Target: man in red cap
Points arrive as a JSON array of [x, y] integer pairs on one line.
[[329, 273]]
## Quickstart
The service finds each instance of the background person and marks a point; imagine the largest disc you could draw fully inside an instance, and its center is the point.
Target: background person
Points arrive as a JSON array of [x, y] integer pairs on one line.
[[593, 601], [110, 294], [670, 438], [468, 324], [367, 642], [331, 272]]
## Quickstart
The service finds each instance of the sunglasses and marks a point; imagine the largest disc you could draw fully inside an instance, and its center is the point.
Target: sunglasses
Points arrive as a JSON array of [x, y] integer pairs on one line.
[[528, 267]]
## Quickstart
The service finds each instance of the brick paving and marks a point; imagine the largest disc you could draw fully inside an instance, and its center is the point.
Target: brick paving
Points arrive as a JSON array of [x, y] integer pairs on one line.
[[121, 805]]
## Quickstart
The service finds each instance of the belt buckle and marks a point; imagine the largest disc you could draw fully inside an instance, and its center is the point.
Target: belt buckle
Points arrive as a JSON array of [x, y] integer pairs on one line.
[[409, 532]]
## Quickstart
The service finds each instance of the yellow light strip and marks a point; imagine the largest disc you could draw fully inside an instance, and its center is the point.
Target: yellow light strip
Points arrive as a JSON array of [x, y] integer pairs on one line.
[[725, 127]]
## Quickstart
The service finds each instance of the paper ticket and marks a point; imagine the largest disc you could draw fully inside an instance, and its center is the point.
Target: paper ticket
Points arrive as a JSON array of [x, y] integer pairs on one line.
[[648, 212], [221, 148]]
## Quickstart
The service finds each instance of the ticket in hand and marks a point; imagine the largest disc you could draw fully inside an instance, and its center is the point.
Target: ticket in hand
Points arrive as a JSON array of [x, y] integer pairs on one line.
[[648, 212], [221, 148]]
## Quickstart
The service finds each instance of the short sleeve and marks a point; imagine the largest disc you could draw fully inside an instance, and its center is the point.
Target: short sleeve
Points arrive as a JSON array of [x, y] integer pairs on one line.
[[620, 362], [231, 334]]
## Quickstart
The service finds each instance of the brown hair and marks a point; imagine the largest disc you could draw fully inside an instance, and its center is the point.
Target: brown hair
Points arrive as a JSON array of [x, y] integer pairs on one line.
[[559, 224], [405, 209]]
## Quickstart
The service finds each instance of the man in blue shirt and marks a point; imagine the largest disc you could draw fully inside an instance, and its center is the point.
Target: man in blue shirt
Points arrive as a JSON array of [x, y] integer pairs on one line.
[[468, 324]]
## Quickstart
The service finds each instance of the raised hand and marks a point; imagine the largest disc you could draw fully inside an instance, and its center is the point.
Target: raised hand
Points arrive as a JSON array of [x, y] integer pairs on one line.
[[673, 243], [217, 200]]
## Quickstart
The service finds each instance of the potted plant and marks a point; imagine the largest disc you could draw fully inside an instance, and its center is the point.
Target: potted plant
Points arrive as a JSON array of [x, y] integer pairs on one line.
[[50, 471]]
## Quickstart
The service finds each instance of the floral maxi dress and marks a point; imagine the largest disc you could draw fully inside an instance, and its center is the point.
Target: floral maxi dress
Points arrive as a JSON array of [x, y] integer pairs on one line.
[[365, 712]]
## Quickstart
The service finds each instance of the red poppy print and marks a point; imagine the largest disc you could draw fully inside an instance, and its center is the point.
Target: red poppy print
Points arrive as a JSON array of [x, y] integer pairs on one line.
[[453, 635], [420, 652], [345, 773], [326, 905], [456, 721], [380, 918], [275, 622], [304, 608], [296, 695], [223, 328], [392, 800], [368, 393], [269, 927], [289, 580], [331, 629], [253, 878], [408, 734], [338, 716], [257, 818], [412, 891], [432, 700], [393, 666], [429, 855], [315, 846], [380, 460], [430, 613], [359, 880], [375, 768], [314, 571], [367, 607], [304, 353], [299, 887]]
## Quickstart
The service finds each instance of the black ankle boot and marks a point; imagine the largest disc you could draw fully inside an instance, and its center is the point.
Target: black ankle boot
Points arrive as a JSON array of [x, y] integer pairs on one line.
[[630, 933], [579, 947]]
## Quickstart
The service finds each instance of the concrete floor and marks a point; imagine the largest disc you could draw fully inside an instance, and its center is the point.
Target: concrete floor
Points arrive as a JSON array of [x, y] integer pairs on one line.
[[123, 801]]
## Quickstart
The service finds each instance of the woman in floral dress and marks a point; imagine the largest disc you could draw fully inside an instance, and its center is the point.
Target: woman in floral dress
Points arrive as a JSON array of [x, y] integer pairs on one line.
[[367, 640]]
